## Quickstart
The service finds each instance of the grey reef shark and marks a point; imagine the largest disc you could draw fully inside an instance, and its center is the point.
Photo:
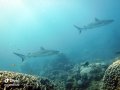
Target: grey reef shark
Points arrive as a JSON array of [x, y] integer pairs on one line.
[[97, 23], [41, 53]]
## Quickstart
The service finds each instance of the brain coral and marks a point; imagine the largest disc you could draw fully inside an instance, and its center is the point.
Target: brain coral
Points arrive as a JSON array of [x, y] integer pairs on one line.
[[20, 81], [111, 79]]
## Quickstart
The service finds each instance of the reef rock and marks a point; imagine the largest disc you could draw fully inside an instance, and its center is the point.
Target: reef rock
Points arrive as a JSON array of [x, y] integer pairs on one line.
[[111, 79], [83, 75], [18, 81]]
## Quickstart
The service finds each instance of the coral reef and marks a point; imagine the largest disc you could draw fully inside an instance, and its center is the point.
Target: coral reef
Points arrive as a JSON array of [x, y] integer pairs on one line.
[[18, 81], [83, 74], [94, 85], [78, 76], [67, 75], [111, 79]]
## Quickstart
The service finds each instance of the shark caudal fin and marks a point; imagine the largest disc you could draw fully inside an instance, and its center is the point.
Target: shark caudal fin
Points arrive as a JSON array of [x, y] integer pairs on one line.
[[20, 55], [80, 29]]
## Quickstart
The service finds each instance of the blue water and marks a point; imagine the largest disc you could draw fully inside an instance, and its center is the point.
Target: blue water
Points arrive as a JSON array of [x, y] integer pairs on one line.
[[27, 25]]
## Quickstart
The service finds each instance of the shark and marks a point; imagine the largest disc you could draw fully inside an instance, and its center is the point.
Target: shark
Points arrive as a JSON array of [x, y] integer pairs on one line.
[[97, 23], [41, 53]]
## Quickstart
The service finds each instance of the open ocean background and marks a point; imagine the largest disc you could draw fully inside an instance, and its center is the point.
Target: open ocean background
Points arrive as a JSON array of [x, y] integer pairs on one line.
[[27, 25]]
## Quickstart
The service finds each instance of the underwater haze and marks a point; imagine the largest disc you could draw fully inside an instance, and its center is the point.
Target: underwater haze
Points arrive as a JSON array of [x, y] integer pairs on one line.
[[28, 25]]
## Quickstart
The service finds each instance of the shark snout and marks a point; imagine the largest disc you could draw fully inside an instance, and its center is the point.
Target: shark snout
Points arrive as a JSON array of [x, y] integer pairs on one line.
[[110, 21]]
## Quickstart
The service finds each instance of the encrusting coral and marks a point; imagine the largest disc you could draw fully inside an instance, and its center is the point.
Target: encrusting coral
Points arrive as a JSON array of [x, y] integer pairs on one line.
[[18, 81], [111, 79]]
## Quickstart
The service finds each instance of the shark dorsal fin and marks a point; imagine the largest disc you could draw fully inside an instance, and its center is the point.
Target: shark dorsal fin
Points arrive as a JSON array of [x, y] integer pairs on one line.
[[96, 19], [42, 48]]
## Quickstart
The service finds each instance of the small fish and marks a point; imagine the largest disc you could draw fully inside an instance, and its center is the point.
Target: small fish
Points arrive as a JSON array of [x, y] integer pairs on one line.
[[13, 65]]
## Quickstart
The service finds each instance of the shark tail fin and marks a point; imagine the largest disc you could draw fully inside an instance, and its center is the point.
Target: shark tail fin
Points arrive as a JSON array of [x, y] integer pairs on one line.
[[20, 55], [80, 29]]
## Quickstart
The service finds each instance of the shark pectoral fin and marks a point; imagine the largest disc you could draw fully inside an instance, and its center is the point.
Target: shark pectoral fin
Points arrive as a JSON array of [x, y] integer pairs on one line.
[[80, 31], [23, 59], [20, 55], [42, 48], [96, 19]]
